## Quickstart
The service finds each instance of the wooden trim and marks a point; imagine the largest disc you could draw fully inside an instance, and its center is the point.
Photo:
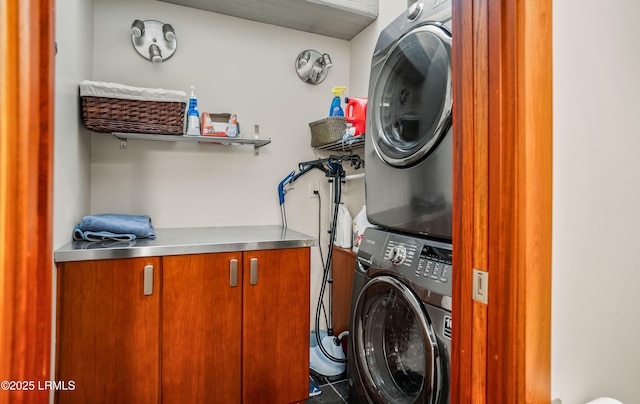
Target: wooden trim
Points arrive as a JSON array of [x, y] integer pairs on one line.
[[536, 128], [26, 162], [502, 200], [480, 136], [463, 198], [502, 349]]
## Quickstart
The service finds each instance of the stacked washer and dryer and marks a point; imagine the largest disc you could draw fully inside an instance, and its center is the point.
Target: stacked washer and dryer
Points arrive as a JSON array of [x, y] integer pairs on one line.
[[400, 332]]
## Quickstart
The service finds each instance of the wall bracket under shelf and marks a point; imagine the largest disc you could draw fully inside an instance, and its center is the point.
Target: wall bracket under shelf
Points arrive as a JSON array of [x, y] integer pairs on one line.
[[344, 146], [257, 143]]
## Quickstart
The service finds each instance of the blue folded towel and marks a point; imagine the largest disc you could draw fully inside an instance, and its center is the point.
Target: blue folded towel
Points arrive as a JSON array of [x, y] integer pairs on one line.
[[117, 227], [89, 245]]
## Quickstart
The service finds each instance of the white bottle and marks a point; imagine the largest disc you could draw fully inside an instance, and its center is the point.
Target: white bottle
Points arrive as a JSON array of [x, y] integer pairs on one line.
[[360, 223], [193, 116], [344, 227]]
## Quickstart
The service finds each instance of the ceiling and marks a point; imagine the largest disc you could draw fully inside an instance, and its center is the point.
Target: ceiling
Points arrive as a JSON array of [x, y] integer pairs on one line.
[[334, 18]]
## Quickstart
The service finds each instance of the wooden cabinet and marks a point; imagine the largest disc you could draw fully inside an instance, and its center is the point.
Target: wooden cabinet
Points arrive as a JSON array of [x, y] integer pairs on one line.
[[108, 331], [343, 263], [233, 327], [275, 325], [201, 328]]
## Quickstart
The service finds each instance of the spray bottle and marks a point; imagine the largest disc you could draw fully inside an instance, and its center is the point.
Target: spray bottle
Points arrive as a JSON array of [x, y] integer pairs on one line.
[[336, 108], [193, 116]]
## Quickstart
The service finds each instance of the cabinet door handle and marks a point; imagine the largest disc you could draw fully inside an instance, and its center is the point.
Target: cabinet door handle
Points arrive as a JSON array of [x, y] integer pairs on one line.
[[148, 280], [233, 273], [253, 279]]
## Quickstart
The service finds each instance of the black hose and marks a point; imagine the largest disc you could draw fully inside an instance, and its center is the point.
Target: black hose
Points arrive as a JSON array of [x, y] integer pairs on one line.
[[327, 267], [320, 246]]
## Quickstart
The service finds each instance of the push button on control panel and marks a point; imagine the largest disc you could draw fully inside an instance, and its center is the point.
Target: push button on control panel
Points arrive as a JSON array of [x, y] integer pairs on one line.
[[433, 265], [444, 277]]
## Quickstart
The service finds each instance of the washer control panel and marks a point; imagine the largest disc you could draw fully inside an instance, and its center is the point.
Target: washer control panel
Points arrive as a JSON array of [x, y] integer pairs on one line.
[[434, 263], [425, 263]]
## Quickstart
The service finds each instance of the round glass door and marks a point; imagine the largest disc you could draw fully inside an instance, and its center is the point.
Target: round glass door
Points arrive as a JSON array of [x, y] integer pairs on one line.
[[396, 349], [411, 101]]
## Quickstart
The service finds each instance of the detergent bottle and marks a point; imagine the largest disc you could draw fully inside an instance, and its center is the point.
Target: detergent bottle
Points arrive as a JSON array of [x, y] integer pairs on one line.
[[360, 223], [336, 107], [356, 115], [344, 228]]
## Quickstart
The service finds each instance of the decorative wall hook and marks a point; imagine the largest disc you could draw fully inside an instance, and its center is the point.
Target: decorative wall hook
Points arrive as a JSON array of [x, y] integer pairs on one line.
[[153, 40], [312, 66]]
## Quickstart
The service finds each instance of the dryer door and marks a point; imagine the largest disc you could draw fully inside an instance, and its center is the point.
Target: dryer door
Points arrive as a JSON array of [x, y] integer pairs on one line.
[[410, 105], [397, 353]]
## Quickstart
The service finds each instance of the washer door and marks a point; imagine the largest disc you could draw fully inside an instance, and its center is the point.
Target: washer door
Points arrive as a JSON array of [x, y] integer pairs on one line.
[[397, 354], [411, 101]]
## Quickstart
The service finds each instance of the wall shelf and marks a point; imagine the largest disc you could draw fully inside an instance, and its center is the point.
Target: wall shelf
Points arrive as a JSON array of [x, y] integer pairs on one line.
[[344, 146], [257, 143]]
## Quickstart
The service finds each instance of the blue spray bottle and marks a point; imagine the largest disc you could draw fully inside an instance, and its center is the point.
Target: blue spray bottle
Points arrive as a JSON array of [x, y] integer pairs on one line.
[[193, 116], [336, 108]]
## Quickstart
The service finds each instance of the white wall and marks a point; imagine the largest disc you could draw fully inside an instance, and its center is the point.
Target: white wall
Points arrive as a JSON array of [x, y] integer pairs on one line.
[[252, 75], [596, 200], [236, 66], [73, 63]]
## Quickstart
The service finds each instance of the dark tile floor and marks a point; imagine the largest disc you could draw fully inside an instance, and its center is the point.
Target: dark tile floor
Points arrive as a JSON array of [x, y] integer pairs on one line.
[[333, 392]]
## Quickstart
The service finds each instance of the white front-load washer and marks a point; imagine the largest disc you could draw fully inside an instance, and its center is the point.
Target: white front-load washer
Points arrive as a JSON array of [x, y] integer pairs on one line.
[[408, 145]]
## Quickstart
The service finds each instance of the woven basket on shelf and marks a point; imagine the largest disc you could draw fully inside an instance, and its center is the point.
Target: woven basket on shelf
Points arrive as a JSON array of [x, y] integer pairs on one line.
[[327, 130], [101, 114]]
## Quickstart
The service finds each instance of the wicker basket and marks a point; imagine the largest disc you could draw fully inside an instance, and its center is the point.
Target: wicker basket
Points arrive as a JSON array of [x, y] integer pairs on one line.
[[327, 130], [112, 107], [102, 114]]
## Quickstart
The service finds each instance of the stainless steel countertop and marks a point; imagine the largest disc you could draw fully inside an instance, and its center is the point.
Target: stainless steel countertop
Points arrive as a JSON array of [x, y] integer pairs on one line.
[[196, 240]]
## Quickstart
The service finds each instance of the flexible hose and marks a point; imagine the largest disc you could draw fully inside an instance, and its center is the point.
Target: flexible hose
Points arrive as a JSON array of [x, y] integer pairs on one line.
[[320, 246], [325, 277]]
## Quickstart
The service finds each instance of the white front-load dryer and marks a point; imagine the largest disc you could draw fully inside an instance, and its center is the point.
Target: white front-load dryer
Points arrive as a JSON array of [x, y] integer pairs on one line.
[[408, 146]]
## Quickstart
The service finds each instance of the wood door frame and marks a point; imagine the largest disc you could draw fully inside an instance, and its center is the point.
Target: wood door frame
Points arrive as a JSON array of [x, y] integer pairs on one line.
[[26, 179], [502, 68]]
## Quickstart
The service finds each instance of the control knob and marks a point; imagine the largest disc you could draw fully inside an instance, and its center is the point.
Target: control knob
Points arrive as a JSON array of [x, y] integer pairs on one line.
[[397, 254]]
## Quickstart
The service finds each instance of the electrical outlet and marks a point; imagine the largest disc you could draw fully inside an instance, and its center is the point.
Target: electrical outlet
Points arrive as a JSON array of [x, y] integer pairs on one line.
[[314, 186]]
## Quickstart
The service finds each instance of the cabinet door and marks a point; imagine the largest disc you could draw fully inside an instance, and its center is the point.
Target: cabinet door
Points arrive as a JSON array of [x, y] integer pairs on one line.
[[201, 334], [343, 261], [108, 331], [275, 340]]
